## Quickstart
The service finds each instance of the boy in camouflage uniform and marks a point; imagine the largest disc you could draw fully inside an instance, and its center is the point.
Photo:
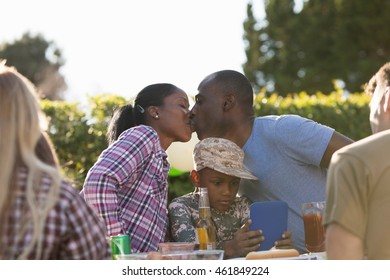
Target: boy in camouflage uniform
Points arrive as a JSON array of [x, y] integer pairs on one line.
[[219, 167]]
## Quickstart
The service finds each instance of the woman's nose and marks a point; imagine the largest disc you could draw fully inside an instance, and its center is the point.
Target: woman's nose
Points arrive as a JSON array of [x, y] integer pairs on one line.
[[193, 111]]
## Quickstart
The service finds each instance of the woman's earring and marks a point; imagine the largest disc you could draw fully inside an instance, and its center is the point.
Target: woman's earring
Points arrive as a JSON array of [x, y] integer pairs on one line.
[[157, 117]]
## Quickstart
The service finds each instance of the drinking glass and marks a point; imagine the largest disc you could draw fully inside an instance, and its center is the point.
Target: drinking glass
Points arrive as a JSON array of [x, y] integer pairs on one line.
[[312, 213]]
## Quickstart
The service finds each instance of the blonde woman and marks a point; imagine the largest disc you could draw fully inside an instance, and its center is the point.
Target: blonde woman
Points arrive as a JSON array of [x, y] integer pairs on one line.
[[41, 215]]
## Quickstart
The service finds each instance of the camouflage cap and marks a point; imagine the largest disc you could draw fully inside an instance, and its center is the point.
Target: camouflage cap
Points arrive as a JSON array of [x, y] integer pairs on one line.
[[221, 155]]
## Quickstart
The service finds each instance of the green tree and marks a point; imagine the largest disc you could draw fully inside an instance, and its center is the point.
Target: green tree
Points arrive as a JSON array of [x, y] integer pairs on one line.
[[253, 43], [315, 32], [363, 42], [292, 51], [39, 60]]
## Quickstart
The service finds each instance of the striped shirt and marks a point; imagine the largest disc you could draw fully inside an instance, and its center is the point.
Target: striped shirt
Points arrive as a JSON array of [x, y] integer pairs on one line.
[[71, 231], [128, 186]]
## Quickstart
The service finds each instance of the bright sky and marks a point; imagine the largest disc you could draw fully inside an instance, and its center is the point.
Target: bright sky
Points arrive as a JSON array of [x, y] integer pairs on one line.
[[120, 46]]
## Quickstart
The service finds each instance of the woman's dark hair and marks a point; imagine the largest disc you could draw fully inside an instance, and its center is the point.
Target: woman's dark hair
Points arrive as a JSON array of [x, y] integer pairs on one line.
[[128, 116], [120, 121], [45, 150]]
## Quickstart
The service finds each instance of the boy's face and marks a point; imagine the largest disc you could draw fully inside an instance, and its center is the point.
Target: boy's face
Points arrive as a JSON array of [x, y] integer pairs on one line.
[[222, 188]]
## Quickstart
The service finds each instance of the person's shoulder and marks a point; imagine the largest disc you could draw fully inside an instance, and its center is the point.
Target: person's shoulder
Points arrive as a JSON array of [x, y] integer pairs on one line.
[[144, 128], [280, 120], [265, 124], [274, 127], [187, 200], [367, 146], [183, 206], [284, 117], [265, 119], [140, 131], [380, 137], [189, 197], [298, 126], [142, 137], [290, 118]]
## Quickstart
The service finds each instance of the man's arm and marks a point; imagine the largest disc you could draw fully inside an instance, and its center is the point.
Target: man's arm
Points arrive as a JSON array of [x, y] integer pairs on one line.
[[342, 245], [336, 142]]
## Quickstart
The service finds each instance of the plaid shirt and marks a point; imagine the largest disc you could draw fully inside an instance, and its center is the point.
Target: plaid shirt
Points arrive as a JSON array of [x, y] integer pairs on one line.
[[72, 230], [128, 187]]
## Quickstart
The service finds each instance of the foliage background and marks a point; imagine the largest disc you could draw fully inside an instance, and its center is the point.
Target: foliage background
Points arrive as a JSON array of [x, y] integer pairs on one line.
[[297, 49], [78, 132]]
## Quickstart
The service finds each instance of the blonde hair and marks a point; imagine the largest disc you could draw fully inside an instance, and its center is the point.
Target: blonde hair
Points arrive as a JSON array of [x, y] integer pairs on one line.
[[20, 132]]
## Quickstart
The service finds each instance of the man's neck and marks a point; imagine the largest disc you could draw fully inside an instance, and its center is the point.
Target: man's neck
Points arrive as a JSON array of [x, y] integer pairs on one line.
[[240, 131]]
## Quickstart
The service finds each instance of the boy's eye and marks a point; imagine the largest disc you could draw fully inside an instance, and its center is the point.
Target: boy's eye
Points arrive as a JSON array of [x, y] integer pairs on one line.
[[235, 183], [217, 183]]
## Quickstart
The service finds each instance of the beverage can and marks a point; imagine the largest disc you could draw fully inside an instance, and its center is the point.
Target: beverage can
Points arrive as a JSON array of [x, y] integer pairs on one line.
[[120, 245]]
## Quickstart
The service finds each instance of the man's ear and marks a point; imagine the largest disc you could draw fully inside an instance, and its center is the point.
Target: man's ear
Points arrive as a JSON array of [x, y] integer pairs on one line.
[[195, 178], [386, 105], [229, 102]]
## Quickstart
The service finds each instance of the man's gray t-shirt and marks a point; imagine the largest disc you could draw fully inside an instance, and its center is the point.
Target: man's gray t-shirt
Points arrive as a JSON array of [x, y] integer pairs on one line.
[[285, 152]]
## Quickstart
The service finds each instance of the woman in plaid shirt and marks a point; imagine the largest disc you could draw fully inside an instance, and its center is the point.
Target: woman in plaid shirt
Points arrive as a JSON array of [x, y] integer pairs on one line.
[[128, 185], [41, 215]]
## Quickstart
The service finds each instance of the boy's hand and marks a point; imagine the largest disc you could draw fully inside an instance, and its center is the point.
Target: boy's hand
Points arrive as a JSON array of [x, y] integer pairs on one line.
[[244, 241], [285, 242]]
